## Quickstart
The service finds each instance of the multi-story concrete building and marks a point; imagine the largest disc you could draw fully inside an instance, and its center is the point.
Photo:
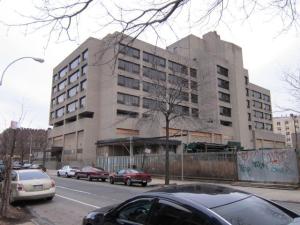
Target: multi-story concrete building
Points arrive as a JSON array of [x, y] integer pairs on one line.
[[286, 125], [99, 96]]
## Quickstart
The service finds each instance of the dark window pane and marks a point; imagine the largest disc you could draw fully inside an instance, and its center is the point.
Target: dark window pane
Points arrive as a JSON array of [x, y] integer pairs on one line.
[[222, 70], [223, 83], [177, 67], [154, 59], [129, 51], [33, 175]]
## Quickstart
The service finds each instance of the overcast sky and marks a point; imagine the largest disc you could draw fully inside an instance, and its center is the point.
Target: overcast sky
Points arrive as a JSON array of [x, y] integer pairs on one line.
[[27, 84]]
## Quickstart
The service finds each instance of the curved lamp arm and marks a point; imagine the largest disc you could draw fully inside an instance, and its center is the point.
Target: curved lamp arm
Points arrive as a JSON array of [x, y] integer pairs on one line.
[[25, 57]]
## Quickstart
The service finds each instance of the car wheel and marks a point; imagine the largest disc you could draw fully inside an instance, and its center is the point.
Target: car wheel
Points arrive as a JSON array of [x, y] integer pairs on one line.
[[89, 178], [144, 184], [58, 174], [77, 177], [66, 175], [49, 198], [128, 182], [111, 180], [103, 179]]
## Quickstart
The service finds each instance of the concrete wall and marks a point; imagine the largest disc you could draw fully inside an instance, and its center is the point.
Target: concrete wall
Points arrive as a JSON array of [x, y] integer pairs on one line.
[[278, 166]]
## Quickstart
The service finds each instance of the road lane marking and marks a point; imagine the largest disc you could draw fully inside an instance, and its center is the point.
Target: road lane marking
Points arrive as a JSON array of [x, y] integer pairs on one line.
[[84, 192], [74, 200]]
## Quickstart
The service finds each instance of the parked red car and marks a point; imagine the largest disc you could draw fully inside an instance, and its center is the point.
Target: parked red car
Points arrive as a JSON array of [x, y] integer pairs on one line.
[[130, 176], [92, 173]]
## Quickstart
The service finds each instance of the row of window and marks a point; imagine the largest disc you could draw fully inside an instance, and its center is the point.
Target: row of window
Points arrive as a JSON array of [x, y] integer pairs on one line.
[[262, 115], [156, 60], [287, 128], [265, 126], [72, 65], [179, 109], [287, 122], [259, 95], [70, 93], [70, 80], [71, 107], [260, 105]]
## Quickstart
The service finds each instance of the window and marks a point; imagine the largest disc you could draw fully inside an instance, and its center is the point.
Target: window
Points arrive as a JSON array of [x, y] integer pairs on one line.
[[84, 70], [194, 85], [179, 68], [287, 133], [258, 114], [129, 66], [128, 82], [268, 116], [128, 99], [85, 55], [253, 211], [279, 128], [74, 77], [154, 88], [75, 63], [223, 84], [257, 104], [135, 212], [154, 74], [55, 77], [193, 72], [249, 116], [222, 71], [54, 89], [63, 72], [224, 111], [154, 59], [278, 123], [194, 98], [256, 94], [127, 113], [60, 112], [83, 85], [52, 115], [53, 102], [250, 127], [82, 102], [267, 107], [259, 125], [169, 213], [195, 112], [62, 85], [129, 51], [286, 122], [184, 96], [72, 106], [61, 98], [178, 81], [224, 97], [246, 80], [226, 123], [72, 91], [149, 103], [248, 104], [247, 92], [181, 110], [266, 98], [287, 128]]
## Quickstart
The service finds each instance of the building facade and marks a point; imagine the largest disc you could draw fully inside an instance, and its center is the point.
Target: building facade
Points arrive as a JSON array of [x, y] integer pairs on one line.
[[287, 126], [102, 92]]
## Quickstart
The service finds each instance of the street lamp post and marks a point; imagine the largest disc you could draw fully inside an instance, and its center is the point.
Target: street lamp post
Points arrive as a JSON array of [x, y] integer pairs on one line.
[[25, 57]]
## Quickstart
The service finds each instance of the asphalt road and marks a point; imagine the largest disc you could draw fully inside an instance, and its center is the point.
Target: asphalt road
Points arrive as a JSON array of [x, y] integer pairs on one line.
[[75, 198]]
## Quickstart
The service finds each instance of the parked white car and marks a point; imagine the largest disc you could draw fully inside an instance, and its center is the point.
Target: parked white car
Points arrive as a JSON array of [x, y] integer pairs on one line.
[[67, 171], [30, 184]]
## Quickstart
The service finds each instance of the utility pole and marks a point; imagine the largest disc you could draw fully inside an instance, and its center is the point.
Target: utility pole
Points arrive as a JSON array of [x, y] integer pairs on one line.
[[130, 152], [296, 136]]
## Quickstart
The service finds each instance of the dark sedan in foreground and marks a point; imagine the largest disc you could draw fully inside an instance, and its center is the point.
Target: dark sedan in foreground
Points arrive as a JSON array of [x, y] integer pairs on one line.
[[194, 205], [130, 176], [92, 173]]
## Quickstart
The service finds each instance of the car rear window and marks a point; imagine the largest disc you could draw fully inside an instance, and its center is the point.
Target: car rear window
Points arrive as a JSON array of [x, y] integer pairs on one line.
[[253, 211], [32, 175]]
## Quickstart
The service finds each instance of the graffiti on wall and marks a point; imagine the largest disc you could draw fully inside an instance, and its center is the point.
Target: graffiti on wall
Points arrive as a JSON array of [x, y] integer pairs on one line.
[[268, 166]]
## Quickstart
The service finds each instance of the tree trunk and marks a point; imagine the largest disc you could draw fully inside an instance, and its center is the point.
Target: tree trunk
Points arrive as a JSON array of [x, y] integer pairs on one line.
[[6, 188], [167, 169]]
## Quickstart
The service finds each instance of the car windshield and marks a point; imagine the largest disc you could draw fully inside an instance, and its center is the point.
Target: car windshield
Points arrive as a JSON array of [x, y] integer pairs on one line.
[[134, 171], [253, 211], [32, 175]]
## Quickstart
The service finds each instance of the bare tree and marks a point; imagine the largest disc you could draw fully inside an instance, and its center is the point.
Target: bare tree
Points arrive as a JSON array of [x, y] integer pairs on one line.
[[62, 18]]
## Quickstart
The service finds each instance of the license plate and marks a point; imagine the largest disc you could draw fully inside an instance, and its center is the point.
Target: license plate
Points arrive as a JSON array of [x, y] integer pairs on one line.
[[37, 187]]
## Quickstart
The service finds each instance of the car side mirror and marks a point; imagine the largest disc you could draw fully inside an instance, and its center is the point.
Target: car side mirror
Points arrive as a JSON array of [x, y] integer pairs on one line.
[[14, 177]]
